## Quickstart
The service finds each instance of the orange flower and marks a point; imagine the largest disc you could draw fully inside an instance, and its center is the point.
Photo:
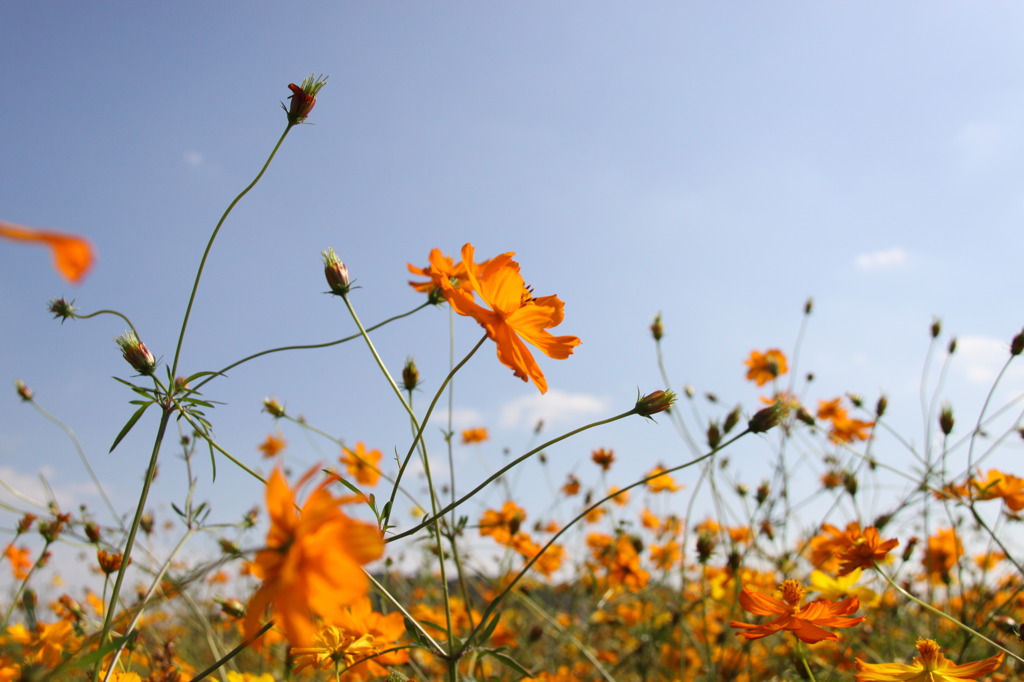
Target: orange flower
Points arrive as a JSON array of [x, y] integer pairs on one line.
[[603, 458], [512, 315], [362, 464], [503, 525], [941, 555], [805, 622], [272, 445], [825, 548], [864, 551], [1000, 485], [572, 486], [767, 366], [72, 256], [930, 666], [478, 435], [20, 559], [663, 482], [312, 560], [110, 562]]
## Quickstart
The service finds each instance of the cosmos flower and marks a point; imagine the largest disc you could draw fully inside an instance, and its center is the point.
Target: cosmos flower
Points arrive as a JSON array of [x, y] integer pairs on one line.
[[929, 666], [312, 561], [767, 366], [72, 255], [806, 622]]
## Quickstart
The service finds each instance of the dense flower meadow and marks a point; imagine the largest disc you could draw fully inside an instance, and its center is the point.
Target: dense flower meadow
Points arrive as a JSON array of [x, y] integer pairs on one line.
[[633, 584]]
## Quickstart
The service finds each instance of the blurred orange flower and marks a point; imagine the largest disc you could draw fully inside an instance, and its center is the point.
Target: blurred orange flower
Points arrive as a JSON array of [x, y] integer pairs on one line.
[[929, 666], [804, 621], [273, 444], [362, 464], [864, 550], [72, 256], [603, 457], [20, 559], [503, 525], [357, 642], [512, 314], [312, 560], [662, 482], [477, 435], [767, 366], [941, 555]]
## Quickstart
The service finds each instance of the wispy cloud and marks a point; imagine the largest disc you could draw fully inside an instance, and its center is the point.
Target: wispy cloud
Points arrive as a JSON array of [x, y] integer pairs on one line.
[[552, 407], [39, 488], [881, 260], [981, 358], [193, 159]]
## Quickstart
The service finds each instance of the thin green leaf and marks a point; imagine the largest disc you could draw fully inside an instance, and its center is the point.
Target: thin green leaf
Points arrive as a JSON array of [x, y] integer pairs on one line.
[[509, 661], [128, 427]]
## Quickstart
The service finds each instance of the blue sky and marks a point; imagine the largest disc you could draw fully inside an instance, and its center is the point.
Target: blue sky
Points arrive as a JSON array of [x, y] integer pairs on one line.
[[719, 163]]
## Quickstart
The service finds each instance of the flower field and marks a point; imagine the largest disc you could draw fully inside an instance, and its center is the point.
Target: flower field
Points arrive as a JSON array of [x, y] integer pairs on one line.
[[792, 576]]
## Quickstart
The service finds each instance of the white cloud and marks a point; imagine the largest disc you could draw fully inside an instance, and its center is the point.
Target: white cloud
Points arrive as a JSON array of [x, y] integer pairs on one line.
[[981, 358], [984, 141], [552, 407], [462, 418], [21, 489], [193, 158], [880, 260]]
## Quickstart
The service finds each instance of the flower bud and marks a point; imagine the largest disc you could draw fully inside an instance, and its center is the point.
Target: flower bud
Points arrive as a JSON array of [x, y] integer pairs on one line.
[[936, 328], [61, 309], [303, 98], [146, 523], [410, 375], [336, 273], [764, 419], [136, 354], [25, 523], [232, 607], [808, 306], [705, 547], [1017, 345], [657, 330], [652, 403], [762, 493], [732, 419], [881, 406], [952, 345], [24, 391], [109, 562], [92, 531], [273, 408], [714, 435], [946, 420]]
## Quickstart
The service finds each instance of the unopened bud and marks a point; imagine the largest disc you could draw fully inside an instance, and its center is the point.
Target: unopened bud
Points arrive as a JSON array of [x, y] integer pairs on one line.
[[410, 375], [25, 523], [881, 406], [762, 493], [705, 547], [336, 273], [909, 549], [657, 329], [732, 419], [273, 408], [24, 391], [136, 354], [764, 419], [714, 435], [946, 420], [808, 306], [303, 98], [1017, 345], [146, 523], [61, 309], [936, 328], [232, 607], [92, 531], [654, 402], [952, 345], [850, 483]]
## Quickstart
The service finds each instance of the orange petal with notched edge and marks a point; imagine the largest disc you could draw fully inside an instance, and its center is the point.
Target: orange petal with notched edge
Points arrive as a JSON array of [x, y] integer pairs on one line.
[[72, 255]]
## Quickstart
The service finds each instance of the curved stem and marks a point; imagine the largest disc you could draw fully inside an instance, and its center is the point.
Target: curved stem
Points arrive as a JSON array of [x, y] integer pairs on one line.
[[108, 312], [209, 246]]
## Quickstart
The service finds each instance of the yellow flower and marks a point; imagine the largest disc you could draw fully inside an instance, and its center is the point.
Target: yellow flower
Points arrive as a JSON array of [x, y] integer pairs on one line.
[[836, 589], [930, 666], [660, 483]]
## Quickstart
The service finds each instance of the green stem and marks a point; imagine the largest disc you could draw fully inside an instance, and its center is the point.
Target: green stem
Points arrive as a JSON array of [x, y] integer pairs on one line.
[[108, 617], [943, 614], [108, 312], [234, 652], [802, 654], [514, 463], [209, 246]]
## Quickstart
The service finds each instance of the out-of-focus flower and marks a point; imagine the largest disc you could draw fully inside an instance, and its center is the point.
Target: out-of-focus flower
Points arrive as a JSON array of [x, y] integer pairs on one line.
[[21, 560], [72, 255], [864, 550], [836, 589], [942, 553], [929, 666], [572, 486], [603, 457], [503, 525], [477, 435], [362, 464], [806, 622], [664, 482], [110, 562], [272, 444], [24, 392], [312, 560], [512, 315], [355, 644], [767, 366], [303, 98], [272, 407]]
